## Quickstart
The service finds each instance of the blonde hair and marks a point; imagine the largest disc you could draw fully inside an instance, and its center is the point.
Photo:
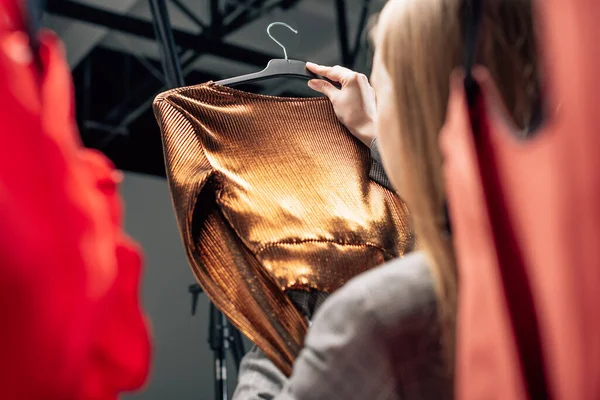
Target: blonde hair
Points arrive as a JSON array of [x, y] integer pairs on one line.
[[420, 43]]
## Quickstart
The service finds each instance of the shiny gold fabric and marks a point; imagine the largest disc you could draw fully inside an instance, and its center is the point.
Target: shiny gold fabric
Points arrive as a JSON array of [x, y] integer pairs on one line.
[[272, 194]]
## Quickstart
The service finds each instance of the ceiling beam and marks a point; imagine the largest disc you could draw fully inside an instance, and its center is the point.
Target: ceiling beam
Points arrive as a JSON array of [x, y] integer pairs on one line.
[[138, 27], [88, 36]]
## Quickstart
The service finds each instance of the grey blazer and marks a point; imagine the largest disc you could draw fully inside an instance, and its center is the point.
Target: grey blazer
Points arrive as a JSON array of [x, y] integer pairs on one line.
[[376, 338]]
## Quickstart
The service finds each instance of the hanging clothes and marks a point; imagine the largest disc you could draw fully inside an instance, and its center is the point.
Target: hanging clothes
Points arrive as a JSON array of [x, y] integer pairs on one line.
[[72, 327], [273, 194], [526, 224]]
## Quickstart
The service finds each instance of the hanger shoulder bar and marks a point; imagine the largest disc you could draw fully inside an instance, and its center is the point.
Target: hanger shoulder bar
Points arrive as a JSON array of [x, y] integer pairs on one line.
[[275, 69]]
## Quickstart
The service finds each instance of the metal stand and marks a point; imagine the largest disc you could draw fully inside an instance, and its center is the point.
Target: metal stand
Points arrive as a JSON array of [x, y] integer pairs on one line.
[[222, 336]]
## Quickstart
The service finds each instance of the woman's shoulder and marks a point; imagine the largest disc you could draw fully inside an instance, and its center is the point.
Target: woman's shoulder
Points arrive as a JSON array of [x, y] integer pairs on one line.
[[400, 291], [401, 288], [383, 321], [398, 296]]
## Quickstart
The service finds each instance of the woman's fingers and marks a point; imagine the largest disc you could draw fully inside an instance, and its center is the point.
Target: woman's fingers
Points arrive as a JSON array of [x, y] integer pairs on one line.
[[324, 87], [320, 70], [336, 74]]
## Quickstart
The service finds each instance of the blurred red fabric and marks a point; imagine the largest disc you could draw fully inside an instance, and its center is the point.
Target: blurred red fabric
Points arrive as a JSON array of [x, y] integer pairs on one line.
[[526, 224], [71, 322]]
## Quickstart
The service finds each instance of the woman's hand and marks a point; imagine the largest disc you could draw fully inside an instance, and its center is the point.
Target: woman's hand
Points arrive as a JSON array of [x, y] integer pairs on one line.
[[354, 103]]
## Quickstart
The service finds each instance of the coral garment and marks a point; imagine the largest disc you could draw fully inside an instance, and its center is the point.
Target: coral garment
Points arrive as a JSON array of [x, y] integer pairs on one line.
[[72, 327], [273, 194], [526, 222]]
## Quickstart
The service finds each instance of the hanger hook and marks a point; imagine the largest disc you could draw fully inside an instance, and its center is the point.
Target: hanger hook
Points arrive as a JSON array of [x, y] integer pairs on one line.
[[277, 41]]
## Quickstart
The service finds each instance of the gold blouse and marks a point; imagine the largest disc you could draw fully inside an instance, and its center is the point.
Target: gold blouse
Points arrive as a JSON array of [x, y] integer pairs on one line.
[[272, 194]]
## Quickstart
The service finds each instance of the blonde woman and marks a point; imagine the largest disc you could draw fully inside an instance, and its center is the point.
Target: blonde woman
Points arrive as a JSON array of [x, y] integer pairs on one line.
[[389, 333]]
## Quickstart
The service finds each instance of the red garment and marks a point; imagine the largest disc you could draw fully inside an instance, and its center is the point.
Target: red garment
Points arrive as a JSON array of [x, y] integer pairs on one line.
[[72, 327], [530, 212]]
